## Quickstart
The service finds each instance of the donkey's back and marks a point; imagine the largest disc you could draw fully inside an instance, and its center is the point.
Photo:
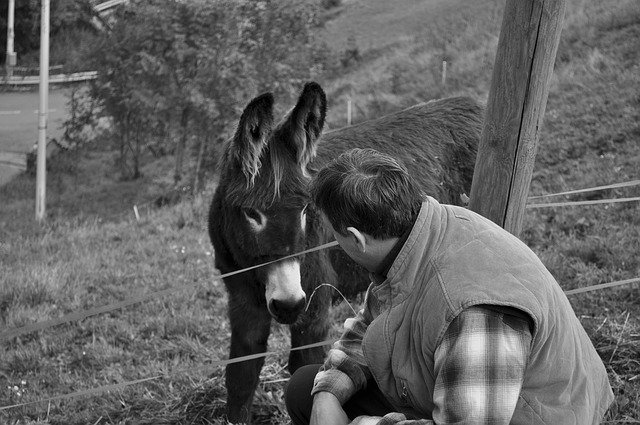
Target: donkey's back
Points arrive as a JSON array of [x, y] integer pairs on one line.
[[437, 141]]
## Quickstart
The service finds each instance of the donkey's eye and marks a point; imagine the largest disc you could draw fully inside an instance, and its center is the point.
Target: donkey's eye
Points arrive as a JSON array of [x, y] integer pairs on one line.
[[253, 214], [256, 219], [255, 132], [303, 217], [303, 213]]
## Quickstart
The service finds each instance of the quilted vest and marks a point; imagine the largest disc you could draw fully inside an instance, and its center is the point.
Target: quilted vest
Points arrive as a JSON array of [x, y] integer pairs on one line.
[[454, 259]]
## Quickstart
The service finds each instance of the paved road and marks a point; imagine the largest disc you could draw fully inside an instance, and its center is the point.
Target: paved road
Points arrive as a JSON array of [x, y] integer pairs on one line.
[[19, 123]]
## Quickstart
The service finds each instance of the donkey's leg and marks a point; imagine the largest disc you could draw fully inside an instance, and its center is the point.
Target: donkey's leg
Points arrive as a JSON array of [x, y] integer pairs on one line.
[[312, 327], [250, 326]]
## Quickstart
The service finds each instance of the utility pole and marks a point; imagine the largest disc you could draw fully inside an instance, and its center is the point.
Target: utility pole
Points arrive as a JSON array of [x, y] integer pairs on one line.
[[41, 170], [10, 60]]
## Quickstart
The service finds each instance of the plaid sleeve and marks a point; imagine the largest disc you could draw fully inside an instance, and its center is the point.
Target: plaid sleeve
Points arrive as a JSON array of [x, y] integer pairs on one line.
[[479, 367], [345, 369]]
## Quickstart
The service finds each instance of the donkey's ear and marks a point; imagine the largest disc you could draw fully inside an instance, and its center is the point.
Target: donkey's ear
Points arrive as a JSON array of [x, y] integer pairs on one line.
[[252, 134], [303, 126]]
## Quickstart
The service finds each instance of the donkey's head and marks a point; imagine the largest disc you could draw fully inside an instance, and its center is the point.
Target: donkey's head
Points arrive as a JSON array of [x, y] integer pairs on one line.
[[264, 197]]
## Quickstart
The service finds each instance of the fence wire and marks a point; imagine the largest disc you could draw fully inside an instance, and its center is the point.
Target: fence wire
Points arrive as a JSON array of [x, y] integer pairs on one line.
[[218, 363], [145, 297]]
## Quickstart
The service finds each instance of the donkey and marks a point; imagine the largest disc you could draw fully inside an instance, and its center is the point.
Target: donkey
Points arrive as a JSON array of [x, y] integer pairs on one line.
[[260, 212]]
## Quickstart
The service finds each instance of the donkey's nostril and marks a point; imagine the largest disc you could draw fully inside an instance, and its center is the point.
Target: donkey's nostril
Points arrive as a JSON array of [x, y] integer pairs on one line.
[[280, 307], [285, 311]]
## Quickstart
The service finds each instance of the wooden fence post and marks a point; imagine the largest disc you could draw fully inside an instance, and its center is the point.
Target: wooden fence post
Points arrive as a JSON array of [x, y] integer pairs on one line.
[[444, 74], [527, 48]]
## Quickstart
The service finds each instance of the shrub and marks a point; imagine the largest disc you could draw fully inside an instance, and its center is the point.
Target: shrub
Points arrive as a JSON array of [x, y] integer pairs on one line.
[[330, 4]]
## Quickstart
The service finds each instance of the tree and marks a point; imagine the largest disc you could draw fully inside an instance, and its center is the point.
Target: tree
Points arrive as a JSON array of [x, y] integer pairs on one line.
[[69, 19], [172, 73]]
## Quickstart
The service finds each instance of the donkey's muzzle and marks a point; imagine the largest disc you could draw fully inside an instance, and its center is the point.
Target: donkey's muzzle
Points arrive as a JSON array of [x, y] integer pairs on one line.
[[284, 294], [286, 312]]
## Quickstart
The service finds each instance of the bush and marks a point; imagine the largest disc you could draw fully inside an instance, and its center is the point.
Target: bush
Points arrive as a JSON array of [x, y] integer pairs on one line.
[[330, 4], [172, 73]]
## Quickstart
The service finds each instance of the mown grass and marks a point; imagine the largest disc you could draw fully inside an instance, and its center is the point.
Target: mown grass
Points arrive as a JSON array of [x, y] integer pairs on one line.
[[93, 252]]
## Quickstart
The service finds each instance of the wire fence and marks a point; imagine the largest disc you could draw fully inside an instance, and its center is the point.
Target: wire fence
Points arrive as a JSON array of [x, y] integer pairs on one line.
[[122, 385], [137, 207], [586, 202], [83, 314], [224, 362], [80, 315], [579, 203]]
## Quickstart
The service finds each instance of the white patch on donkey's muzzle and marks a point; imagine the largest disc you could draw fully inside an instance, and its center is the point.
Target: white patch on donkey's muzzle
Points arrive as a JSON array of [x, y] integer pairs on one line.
[[285, 297]]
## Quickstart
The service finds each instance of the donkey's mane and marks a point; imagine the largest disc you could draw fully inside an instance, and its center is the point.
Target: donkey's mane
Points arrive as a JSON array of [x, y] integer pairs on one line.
[[286, 171], [276, 176]]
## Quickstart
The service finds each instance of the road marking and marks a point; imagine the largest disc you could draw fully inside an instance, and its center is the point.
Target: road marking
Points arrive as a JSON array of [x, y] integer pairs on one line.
[[14, 159], [35, 111]]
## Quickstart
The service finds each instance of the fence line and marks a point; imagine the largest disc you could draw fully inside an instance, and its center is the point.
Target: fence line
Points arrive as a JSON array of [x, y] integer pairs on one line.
[[145, 297], [541, 205], [577, 203], [80, 315], [121, 385], [54, 79], [83, 314], [108, 5], [602, 286], [34, 69], [611, 186], [590, 189], [90, 391], [217, 363], [147, 203]]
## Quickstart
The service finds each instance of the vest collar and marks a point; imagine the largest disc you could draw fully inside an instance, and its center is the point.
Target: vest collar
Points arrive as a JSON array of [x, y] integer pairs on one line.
[[421, 244], [381, 274]]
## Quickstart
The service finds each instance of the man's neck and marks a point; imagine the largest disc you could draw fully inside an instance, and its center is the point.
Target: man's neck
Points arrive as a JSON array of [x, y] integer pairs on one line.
[[380, 251], [393, 252]]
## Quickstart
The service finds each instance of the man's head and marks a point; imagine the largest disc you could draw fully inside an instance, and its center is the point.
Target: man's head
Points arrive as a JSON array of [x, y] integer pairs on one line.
[[367, 192]]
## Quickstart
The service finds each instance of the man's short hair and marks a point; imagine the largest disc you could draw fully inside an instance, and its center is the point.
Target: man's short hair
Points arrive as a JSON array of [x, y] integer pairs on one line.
[[368, 190]]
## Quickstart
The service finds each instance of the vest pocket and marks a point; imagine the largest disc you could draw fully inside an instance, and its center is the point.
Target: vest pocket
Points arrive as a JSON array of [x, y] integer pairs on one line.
[[525, 412], [405, 393]]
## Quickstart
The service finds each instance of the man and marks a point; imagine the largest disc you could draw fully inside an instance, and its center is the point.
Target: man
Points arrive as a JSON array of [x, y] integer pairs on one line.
[[462, 323]]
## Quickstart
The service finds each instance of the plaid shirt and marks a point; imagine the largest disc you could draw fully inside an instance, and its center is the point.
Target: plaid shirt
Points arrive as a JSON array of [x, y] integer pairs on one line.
[[479, 367]]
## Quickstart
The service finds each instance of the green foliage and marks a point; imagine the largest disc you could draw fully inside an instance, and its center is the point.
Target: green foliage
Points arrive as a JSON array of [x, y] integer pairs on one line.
[[26, 25], [71, 15], [330, 4], [171, 73], [71, 26], [82, 118]]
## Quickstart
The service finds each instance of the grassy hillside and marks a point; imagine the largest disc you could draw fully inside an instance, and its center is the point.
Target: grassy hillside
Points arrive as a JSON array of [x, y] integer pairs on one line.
[[93, 252], [402, 50]]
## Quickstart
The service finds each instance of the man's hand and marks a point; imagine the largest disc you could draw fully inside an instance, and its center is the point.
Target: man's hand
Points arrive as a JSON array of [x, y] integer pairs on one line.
[[366, 420], [327, 410]]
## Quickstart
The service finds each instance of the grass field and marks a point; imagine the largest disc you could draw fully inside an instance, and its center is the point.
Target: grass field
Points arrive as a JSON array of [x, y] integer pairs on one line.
[[93, 252]]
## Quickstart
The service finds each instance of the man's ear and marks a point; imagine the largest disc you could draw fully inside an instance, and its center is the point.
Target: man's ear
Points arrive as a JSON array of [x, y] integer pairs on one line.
[[358, 238]]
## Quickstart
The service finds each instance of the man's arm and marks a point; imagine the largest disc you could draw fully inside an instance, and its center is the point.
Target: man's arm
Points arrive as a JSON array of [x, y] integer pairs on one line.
[[345, 370], [327, 410], [480, 367]]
